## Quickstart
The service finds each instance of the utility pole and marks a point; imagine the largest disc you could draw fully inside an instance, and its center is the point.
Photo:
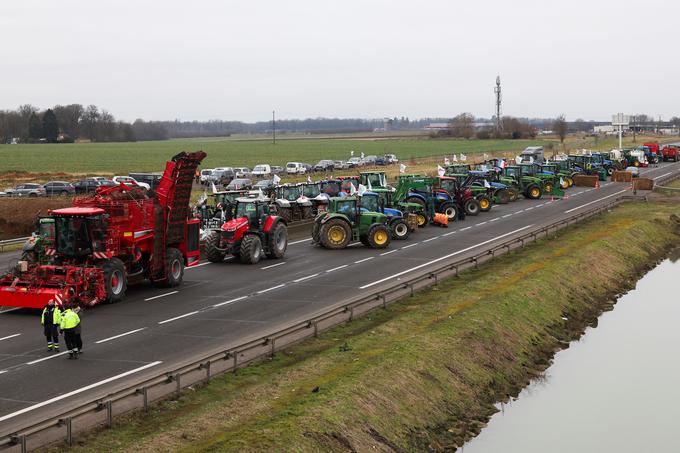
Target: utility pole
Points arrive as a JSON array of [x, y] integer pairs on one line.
[[634, 118], [497, 91], [274, 126]]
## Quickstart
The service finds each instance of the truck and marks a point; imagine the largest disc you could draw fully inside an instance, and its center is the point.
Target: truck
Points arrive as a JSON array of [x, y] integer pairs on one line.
[[670, 153], [118, 236]]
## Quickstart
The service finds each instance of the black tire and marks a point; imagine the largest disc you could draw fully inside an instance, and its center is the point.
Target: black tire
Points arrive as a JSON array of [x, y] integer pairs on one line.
[[316, 234], [174, 267], [306, 212], [334, 225], [472, 207], [399, 229], [378, 237], [285, 213], [415, 200], [548, 187], [503, 196], [251, 249], [610, 171], [30, 255], [513, 194], [210, 248], [364, 240], [32, 194], [450, 210], [533, 192], [485, 203], [115, 280], [277, 241]]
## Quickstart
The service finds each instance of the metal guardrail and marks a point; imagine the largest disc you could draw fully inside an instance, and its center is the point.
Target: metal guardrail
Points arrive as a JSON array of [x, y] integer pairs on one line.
[[8, 242], [102, 410]]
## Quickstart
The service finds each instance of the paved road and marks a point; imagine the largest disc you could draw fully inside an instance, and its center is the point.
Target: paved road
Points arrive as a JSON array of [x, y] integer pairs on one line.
[[223, 304]]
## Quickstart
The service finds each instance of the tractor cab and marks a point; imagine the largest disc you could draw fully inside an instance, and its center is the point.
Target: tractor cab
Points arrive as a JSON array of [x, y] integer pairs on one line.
[[254, 209], [332, 187], [373, 179], [79, 232], [514, 172], [457, 169], [288, 192], [348, 184], [346, 221]]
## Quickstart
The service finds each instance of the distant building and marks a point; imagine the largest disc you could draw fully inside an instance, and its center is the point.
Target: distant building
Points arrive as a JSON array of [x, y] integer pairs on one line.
[[438, 127]]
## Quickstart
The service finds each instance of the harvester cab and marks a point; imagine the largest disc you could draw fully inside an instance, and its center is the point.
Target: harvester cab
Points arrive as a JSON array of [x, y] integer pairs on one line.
[[345, 222], [253, 233]]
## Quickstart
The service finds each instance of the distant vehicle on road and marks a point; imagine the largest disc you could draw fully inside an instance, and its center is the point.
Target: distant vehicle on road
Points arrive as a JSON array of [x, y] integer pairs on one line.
[[129, 181], [62, 188], [88, 185], [308, 168], [262, 171], [369, 160], [265, 185], [222, 176], [205, 175], [295, 168], [380, 161], [26, 190]]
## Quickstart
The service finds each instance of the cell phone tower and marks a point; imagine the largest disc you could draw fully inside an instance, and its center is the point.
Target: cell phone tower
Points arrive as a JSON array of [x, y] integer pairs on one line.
[[497, 90]]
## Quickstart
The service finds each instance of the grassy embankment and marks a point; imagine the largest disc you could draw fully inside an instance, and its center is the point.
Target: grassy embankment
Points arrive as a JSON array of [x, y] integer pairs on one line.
[[424, 373]]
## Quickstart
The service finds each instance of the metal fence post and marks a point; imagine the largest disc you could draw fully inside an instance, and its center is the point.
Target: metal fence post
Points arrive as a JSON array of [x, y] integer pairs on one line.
[[179, 384], [69, 432], [145, 397], [109, 414], [207, 371], [273, 350]]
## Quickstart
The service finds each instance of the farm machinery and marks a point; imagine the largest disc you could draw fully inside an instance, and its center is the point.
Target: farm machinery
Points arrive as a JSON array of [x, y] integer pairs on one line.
[[291, 204], [452, 185], [530, 186], [425, 191], [423, 215], [319, 200], [253, 233], [345, 221], [670, 153], [118, 236], [550, 180], [400, 225], [217, 208]]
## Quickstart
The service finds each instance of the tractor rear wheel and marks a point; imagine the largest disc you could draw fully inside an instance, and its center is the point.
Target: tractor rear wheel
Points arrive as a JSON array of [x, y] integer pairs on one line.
[[335, 234], [285, 213], [174, 267], [503, 196], [534, 192], [548, 187], [415, 200], [210, 247], [278, 241], [306, 212], [484, 203], [378, 237], [400, 229], [364, 240], [115, 280], [472, 207], [512, 192], [450, 210], [251, 249]]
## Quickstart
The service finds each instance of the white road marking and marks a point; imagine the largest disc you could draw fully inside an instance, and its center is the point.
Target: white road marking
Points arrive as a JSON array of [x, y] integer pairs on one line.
[[10, 336], [274, 265], [481, 223], [161, 295], [594, 201], [305, 278], [449, 233], [529, 208], [118, 336], [271, 289], [493, 220], [506, 215], [665, 174], [386, 253], [466, 228], [46, 358], [431, 239], [230, 301], [521, 210], [429, 263], [339, 267], [365, 259], [178, 317], [75, 392], [300, 241], [3, 371], [539, 205], [11, 309], [198, 265], [409, 246]]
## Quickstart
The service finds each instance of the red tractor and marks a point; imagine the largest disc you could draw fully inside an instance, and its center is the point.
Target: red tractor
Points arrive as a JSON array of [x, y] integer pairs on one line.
[[118, 236], [252, 233]]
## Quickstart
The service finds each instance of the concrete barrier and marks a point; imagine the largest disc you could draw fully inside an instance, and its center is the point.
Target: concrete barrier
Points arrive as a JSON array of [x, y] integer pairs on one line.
[[643, 184]]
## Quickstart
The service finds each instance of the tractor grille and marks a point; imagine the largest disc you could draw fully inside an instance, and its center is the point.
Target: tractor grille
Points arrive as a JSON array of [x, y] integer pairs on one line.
[[228, 235]]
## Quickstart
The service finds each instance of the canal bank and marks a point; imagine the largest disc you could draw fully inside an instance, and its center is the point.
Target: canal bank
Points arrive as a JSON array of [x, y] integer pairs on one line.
[[425, 373]]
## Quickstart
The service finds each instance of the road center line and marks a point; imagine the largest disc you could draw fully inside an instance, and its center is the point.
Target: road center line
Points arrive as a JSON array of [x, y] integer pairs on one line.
[[118, 336], [161, 295], [409, 246], [386, 253], [539, 205], [274, 265], [46, 358], [594, 201], [431, 239], [365, 259], [429, 263], [493, 220], [529, 208], [227, 302], [80, 390], [481, 223], [178, 317], [305, 278], [271, 289], [300, 241], [507, 215], [466, 228], [665, 174], [449, 233], [339, 267], [10, 336]]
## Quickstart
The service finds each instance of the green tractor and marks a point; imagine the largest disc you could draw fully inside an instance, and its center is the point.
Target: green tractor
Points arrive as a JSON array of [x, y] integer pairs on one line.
[[551, 181], [457, 169], [423, 214], [373, 180], [400, 225], [565, 178], [345, 222], [35, 248], [530, 186]]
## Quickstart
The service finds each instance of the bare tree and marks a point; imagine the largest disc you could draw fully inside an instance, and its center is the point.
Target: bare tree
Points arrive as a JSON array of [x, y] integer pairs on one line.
[[560, 128], [89, 121], [68, 117], [463, 125]]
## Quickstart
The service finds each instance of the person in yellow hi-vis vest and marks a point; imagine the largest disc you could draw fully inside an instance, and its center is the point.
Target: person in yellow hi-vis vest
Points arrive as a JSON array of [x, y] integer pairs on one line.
[[70, 325], [50, 320]]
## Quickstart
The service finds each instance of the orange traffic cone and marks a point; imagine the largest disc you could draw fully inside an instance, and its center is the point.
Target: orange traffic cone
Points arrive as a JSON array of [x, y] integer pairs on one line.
[[597, 184]]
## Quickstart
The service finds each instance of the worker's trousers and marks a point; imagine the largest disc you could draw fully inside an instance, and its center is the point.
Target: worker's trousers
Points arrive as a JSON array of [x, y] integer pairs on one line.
[[52, 335], [74, 342]]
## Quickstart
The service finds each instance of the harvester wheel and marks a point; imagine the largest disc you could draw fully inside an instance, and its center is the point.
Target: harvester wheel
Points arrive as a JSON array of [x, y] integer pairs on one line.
[[174, 267], [278, 241], [534, 192], [450, 211], [400, 229], [513, 194], [548, 187], [484, 203], [210, 247], [115, 280], [472, 207], [335, 234], [378, 237], [251, 249]]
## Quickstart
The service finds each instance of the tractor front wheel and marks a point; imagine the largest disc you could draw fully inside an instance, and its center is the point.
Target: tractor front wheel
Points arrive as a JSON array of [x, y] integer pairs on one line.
[[115, 280], [503, 196], [400, 229], [335, 234], [450, 211], [472, 207], [278, 241], [548, 187], [484, 203], [210, 247], [422, 220], [378, 237], [174, 267], [251, 249], [513, 194], [306, 212], [534, 193]]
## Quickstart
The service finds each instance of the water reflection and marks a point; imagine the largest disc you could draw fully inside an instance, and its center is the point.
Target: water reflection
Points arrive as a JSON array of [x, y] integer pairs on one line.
[[615, 390]]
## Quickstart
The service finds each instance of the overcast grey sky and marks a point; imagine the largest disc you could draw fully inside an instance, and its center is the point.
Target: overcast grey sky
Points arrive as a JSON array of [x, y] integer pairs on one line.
[[238, 60]]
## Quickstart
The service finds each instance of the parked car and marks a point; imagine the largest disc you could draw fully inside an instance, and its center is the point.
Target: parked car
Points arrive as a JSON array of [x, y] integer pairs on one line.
[[26, 190], [277, 170], [354, 162], [242, 172], [265, 185], [380, 161], [308, 168], [391, 159], [87, 185], [262, 171], [128, 181], [240, 184], [98, 178], [62, 188], [324, 165], [340, 165], [152, 179], [205, 175], [369, 160], [222, 175], [293, 168]]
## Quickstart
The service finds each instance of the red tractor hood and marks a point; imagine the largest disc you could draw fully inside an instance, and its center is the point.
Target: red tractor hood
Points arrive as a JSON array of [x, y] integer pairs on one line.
[[235, 224]]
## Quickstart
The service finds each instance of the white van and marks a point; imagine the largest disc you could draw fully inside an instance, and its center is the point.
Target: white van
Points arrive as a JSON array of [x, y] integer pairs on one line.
[[293, 168], [261, 170]]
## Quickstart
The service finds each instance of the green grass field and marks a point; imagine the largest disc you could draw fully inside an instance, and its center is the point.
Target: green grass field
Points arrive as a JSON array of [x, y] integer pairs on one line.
[[150, 156]]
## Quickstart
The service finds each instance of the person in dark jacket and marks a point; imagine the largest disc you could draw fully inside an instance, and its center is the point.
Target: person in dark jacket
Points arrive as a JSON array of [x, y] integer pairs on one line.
[[50, 320]]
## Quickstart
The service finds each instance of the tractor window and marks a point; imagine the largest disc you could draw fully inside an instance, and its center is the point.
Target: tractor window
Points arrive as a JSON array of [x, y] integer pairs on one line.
[[448, 184], [246, 210], [311, 190], [375, 179], [346, 208], [331, 187], [72, 236], [370, 203], [512, 172], [46, 229], [289, 193]]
